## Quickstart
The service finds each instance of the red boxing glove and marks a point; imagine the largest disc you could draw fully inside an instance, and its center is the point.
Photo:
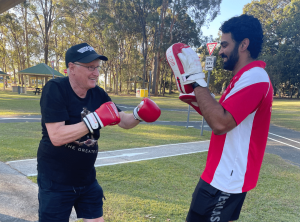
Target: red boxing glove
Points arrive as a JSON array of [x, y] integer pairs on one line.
[[149, 112], [191, 100], [106, 114]]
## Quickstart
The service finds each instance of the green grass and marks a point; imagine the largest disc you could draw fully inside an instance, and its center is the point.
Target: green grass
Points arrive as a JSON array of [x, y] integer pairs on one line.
[[21, 140], [286, 113], [14, 104], [169, 101], [161, 189]]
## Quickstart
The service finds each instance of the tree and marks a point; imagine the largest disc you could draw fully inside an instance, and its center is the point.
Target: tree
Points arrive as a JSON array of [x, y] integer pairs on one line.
[[280, 19], [45, 12], [190, 16]]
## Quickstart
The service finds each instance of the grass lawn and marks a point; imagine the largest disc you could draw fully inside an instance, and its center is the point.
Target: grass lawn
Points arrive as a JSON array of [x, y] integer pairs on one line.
[[14, 104], [170, 101], [161, 189], [285, 112], [21, 140]]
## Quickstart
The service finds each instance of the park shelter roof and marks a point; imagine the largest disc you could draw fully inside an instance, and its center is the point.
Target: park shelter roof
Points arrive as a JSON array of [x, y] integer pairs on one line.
[[3, 73], [41, 70], [7, 4]]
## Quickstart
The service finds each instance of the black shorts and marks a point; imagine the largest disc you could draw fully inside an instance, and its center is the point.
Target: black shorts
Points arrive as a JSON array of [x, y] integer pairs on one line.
[[56, 200], [210, 204]]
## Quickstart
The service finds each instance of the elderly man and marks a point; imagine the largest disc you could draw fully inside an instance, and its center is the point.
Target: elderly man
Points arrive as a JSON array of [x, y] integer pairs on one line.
[[74, 109]]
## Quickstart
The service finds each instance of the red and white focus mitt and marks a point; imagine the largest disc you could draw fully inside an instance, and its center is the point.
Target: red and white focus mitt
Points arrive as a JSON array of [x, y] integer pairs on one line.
[[148, 112], [186, 67], [191, 100]]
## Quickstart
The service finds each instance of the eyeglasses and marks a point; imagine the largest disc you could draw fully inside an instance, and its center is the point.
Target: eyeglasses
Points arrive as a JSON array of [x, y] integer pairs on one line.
[[90, 68]]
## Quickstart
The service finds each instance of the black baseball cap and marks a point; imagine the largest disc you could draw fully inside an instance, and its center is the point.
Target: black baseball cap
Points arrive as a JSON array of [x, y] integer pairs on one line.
[[82, 53]]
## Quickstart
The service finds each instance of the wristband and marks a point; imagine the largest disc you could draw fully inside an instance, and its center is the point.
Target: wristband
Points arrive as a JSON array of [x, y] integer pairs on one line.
[[85, 120], [195, 84], [136, 115]]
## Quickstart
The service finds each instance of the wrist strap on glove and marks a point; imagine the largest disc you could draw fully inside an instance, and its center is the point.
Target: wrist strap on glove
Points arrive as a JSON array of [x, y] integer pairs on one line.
[[92, 122], [136, 115], [195, 84]]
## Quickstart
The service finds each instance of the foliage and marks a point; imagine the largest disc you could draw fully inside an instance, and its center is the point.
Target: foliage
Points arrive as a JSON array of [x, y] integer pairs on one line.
[[281, 52], [129, 32]]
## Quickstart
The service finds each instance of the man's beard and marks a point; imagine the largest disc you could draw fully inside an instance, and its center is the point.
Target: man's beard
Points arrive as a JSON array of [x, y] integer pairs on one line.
[[232, 60]]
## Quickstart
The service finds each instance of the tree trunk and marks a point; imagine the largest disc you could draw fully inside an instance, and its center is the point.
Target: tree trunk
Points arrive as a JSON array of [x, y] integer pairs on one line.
[[156, 40], [120, 87], [157, 56], [170, 85], [134, 86], [105, 80], [116, 82], [26, 38], [157, 77], [145, 58], [164, 89]]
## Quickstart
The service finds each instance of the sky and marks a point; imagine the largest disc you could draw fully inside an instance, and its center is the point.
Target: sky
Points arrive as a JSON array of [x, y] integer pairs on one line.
[[228, 9]]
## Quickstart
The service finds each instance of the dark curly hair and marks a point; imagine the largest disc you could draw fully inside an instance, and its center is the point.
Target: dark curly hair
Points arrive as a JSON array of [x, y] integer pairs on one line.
[[245, 26]]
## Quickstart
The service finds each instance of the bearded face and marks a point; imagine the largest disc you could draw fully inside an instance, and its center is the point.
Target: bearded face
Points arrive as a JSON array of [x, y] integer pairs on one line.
[[231, 59]]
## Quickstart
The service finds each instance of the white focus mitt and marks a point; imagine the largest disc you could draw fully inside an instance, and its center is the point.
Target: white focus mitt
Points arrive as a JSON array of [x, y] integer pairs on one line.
[[186, 67]]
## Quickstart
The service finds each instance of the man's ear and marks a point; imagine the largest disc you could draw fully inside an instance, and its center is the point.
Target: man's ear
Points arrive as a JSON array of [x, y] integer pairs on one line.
[[71, 67], [244, 44]]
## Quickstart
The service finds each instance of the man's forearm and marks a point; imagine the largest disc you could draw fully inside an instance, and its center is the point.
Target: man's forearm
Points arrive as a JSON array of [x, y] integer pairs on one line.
[[127, 121], [215, 115], [61, 134]]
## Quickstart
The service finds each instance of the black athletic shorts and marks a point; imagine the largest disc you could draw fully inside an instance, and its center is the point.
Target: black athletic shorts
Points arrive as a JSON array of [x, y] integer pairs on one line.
[[56, 200], [210, 204]]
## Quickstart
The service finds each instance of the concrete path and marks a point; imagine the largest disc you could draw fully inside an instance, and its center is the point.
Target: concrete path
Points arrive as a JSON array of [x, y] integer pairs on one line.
[[28, 167], [18, 196]]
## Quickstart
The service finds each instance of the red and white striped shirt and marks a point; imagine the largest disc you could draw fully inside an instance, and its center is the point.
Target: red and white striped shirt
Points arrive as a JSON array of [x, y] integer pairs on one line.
[[234, 159]]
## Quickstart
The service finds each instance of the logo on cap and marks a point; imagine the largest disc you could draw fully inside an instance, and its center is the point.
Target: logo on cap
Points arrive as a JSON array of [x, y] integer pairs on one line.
[[86, 48]]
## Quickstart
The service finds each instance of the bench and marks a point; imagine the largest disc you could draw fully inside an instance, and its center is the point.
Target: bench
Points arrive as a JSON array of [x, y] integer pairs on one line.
[[37, 91]]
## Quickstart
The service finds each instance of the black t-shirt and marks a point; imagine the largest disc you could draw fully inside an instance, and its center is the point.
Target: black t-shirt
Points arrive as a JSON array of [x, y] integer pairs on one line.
[[72, 163]]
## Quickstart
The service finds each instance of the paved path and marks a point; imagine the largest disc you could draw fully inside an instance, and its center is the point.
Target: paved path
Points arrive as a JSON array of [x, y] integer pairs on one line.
[[18, 196], [28, 167]]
